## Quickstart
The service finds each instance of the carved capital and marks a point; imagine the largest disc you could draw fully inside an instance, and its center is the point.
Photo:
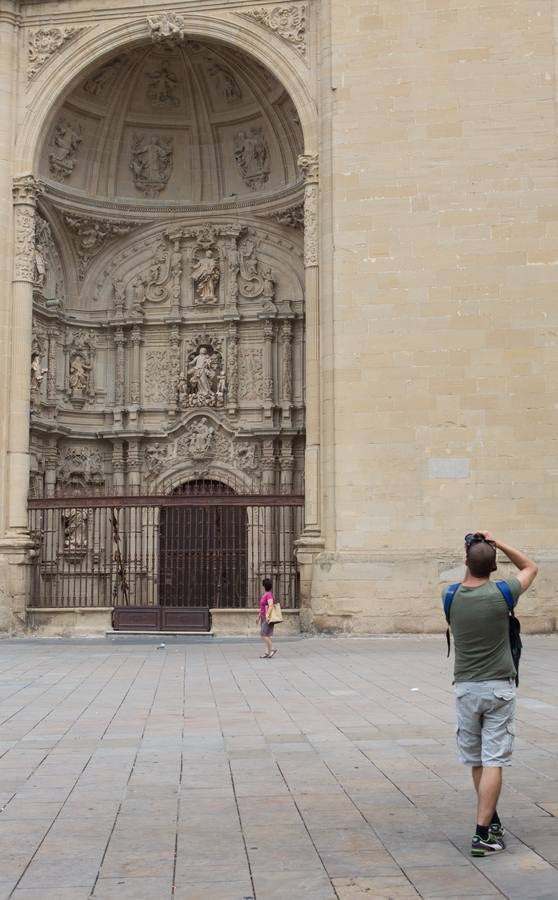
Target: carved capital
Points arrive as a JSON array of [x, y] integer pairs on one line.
[[288, 22], [308, 164], [268, 330], [26, 189]]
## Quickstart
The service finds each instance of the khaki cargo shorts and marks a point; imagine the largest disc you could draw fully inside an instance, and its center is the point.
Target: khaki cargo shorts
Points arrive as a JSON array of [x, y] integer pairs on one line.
[[485, 729]]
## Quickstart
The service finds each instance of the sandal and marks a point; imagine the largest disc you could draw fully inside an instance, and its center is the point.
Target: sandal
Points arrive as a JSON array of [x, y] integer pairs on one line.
[[265, 656], [273, 652]]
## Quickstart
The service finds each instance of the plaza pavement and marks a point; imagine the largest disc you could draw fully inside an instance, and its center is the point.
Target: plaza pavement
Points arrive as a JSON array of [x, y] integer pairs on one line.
[[200, 772]]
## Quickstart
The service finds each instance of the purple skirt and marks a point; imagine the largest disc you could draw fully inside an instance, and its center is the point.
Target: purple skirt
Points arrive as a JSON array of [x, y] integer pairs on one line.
[[266, 628]]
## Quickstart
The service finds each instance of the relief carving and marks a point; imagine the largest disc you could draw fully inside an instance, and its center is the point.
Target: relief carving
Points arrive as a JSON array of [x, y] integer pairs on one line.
[[251, 155], [92, 234], [161, 90], [199, 440], [24, 261], [251, 374], [204, 383], [289, 22], [226, 83], [80, 469], [76, 530], [156, 386], [43, 43], [151, 163], [80, 368], [168, 28], [292, 216], [155, 458], [97, 84], [63, 148]]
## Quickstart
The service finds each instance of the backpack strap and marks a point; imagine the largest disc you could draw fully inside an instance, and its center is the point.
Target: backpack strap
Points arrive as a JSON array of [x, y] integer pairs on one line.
[[506, 594], [448, 600]]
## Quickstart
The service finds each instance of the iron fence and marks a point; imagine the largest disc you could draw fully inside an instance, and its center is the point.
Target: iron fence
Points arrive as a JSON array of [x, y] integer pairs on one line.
[[194, 548]]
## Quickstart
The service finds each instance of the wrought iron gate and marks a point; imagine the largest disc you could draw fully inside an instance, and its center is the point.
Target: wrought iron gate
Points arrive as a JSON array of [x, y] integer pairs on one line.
[[163, 562]]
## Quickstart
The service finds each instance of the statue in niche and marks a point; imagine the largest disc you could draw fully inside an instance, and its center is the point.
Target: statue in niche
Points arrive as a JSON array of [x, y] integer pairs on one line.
[[63, 149], [226, 83], [200, 439], [251, 155], [37, 372], [161, 89], [79, 374], [204, 381], [75, 529], [43, 240], [151, 163], [201, 374], [206, 275]]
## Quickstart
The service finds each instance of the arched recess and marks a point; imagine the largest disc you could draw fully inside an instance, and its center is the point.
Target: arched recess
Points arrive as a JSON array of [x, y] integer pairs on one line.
[[249, 424], [96, 46]]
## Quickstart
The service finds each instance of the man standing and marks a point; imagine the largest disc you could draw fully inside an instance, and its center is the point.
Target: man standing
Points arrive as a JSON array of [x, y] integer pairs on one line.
[[484, 676]]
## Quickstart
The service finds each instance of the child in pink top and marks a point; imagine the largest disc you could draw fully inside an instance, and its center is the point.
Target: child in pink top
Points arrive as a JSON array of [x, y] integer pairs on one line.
[[266, 628]]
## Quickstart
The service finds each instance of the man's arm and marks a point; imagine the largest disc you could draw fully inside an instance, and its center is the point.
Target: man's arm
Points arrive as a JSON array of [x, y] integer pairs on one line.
[[527, 568]]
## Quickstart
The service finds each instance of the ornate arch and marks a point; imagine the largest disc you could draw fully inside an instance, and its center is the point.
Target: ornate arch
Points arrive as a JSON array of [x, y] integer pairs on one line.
[[88, 51]]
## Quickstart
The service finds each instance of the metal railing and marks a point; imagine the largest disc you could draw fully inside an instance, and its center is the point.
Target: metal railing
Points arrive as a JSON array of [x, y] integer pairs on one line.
[[200, 548]]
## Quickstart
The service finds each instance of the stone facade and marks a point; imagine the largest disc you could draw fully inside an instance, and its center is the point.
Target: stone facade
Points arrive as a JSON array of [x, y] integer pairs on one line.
[[324, 228]]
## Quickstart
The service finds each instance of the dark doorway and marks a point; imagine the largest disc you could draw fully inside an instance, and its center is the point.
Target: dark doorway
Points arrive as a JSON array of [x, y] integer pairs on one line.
[[203, 550]]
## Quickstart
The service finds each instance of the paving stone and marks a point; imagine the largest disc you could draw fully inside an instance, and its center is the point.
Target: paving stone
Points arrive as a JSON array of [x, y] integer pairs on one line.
[[381, 808], [375, 888]]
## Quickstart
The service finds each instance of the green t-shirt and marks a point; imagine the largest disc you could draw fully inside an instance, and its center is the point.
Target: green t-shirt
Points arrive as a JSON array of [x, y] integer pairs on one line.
[[480, 627]]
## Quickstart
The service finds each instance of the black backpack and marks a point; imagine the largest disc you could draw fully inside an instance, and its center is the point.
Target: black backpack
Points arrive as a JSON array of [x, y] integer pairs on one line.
[[514, 623]]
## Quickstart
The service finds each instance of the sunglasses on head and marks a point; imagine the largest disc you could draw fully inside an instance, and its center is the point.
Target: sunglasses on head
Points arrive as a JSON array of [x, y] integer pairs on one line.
[[477, 539]]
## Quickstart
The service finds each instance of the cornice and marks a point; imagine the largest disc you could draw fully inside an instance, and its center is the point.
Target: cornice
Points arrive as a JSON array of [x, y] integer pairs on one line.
[[65, 201]]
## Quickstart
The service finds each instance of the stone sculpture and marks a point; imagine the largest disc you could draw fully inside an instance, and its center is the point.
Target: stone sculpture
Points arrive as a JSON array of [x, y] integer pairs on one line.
[[161, 88], [151, 163], [63, 148], [206, 276], [251, 155]]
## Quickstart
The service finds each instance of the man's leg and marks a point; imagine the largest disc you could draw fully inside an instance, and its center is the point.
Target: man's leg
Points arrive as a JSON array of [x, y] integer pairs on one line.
[[488, 782]]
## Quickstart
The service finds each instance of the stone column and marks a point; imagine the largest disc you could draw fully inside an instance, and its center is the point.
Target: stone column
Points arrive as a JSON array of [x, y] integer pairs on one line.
[[15, 340], [312, 536], [267, 560], [117, 467], [268, 335], [25, 193], [286, 338], [174, 374], [232, 369], [119, 376], [136, 339], [51, 458], [52, 364]]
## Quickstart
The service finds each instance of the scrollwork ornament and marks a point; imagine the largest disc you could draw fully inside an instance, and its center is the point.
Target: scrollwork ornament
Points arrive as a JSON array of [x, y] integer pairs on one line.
[[43, 43], [289, 22]]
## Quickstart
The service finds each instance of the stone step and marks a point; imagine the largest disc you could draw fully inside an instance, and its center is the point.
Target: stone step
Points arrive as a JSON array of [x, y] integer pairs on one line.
[[158, 637]]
